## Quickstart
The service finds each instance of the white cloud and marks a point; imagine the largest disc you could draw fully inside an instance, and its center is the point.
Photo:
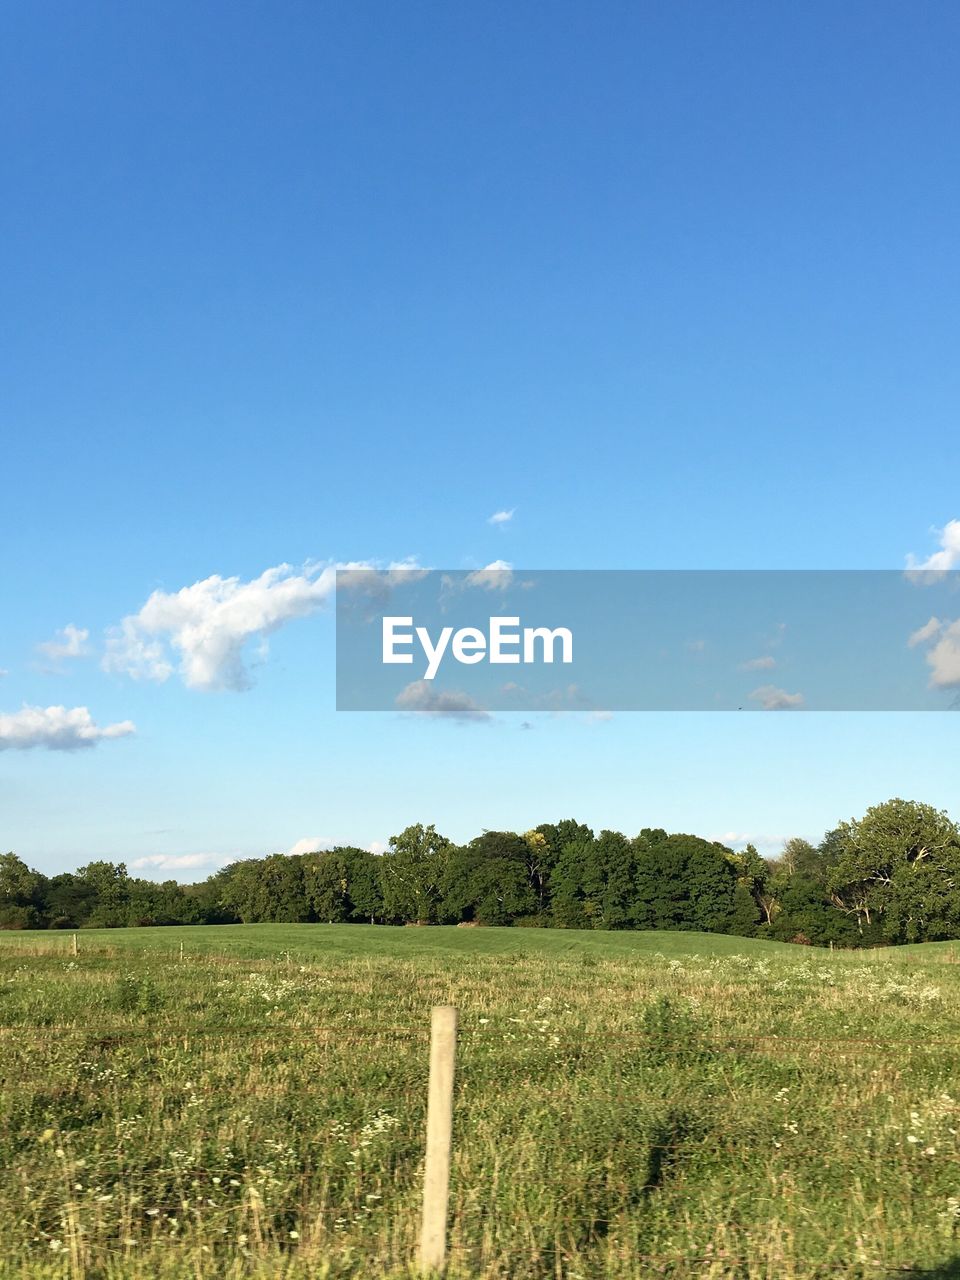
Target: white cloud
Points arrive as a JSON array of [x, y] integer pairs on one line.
[[180, 862], [72, 643], [739, 839], [926, 632], [362, 575], [501, 517], [3, 672], [766, 663], [422, 698], [773, 699], [202, 631], [940, 562], [943, 658], [205, 627], [322, 844], [569, 698], [56, 728], [310, 844], [496, 576]]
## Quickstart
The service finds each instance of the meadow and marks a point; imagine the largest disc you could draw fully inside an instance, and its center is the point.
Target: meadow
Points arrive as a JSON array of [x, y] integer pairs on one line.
[[627, 1104]]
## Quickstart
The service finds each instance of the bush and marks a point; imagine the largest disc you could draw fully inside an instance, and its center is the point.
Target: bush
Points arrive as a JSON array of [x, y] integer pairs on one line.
[[134, 994], [673, 1034], [19, 918]]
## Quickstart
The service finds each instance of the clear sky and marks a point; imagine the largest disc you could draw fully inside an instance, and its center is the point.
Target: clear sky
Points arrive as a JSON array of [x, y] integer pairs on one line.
[[664, 285]]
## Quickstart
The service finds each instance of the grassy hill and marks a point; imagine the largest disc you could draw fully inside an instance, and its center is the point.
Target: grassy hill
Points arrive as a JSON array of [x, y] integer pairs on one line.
[[307, 941], [627, 1104]]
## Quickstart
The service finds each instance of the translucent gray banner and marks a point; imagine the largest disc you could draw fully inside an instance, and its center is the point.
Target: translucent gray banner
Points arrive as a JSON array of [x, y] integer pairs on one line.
[[465, 644]]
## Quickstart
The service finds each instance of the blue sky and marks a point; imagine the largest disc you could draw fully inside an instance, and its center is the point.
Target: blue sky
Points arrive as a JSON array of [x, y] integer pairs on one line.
[[677, 285]]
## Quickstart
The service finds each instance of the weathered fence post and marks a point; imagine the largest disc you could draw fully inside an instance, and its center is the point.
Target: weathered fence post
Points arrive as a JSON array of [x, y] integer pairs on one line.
[[74, 946], [181, 951], [436, 1173]]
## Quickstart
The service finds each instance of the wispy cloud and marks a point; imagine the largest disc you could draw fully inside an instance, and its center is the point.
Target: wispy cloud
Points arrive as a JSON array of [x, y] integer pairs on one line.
[[501, 517], [567, 698], [71, 642], [773, 699], [765, 663], [56, 728], [181, 862], [926, 632], [943, 653], [378, 580], [496, 576], [940, 562], [310, 844], [739, 839], [421, 698], [323, 844]]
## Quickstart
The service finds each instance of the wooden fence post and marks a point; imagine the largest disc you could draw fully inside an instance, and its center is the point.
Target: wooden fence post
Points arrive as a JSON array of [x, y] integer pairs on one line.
[[74, 948], [436, 1173]]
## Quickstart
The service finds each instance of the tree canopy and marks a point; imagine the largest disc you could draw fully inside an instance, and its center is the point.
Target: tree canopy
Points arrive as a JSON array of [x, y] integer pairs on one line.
[[891, 876]]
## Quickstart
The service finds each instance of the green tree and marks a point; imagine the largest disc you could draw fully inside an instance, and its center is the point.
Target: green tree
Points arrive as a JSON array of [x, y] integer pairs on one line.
[[746, 915], [488, 880], [807, 915], [572, 884], [363, 881], [546, 855], [109, 887], [267, 889], [21, 894], [899, 867], [611, 880], [327, 886], [411, 872], [684, 882]]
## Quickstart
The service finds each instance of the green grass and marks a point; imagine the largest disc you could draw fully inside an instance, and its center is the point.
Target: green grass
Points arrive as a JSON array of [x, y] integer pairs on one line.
[[309, 941], [628, 1105]]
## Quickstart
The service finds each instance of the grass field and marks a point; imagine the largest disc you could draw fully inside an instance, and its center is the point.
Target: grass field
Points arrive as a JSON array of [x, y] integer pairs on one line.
[[627, 1105]]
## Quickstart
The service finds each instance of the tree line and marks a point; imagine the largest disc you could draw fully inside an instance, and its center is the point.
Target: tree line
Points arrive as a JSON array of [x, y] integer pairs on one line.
[[892, 876]]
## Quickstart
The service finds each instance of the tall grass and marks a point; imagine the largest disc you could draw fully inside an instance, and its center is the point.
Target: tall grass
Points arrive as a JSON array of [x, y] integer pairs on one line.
[[627, 1105]]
